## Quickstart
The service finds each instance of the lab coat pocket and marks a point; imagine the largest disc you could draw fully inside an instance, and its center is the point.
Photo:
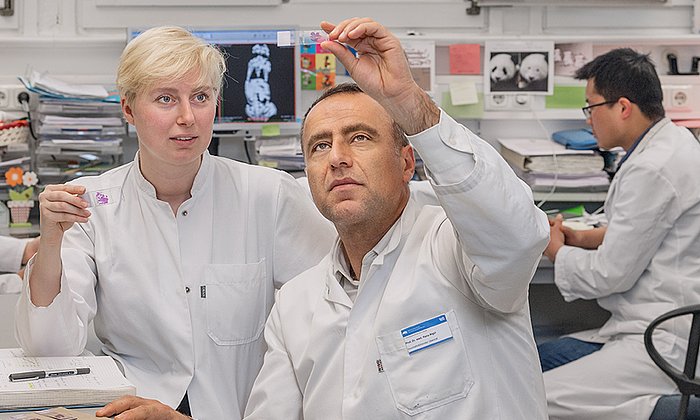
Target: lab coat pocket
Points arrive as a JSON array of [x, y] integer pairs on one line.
[[428, 378], [235, 302]]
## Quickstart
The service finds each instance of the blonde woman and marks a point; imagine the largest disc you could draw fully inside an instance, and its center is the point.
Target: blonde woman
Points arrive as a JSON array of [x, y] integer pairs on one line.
[[174, 256]]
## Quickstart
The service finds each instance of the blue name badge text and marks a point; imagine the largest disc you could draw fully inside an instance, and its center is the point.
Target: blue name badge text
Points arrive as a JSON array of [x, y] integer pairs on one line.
[[426, 334]]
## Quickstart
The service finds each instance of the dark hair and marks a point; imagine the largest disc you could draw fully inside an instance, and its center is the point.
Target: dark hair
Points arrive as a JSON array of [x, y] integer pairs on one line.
[[352, 88], [626, 73]]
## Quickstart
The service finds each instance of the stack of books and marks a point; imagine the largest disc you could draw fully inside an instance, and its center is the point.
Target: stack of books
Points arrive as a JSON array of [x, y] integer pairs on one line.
[[546, 165]]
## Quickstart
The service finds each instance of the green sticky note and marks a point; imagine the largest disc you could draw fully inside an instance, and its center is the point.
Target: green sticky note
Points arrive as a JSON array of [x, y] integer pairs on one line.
[[568, 97], [575, 211], [270, 130], [462, 111]]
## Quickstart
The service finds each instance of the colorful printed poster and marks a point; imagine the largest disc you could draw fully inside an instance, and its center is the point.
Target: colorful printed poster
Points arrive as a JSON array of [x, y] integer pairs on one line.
[[318, 68]]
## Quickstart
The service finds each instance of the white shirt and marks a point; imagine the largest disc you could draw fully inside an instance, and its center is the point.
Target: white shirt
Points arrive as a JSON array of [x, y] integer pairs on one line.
[[325, 351], [180, 301]]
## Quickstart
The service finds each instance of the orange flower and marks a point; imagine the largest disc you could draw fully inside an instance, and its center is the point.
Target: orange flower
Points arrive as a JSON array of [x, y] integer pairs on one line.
[[13, 176]]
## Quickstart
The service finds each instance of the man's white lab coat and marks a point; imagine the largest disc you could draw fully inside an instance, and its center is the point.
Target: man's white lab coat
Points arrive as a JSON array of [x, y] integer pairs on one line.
[[330, 358], [648, 264], [180, 300]]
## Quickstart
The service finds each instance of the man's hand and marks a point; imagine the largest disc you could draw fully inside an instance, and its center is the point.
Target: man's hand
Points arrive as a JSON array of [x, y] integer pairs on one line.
[[137, 408], [560, 235], [382, 71], [556, 238]]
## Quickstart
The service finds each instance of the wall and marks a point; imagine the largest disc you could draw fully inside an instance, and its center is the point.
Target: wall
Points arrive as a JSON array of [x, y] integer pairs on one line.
[[80, 40]]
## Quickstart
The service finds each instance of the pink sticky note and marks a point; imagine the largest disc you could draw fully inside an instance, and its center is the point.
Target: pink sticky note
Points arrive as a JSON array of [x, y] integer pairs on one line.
[[465, 59]]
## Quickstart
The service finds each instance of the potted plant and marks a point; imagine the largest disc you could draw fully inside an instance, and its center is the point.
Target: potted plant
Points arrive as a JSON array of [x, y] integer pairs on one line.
[[21, 195]]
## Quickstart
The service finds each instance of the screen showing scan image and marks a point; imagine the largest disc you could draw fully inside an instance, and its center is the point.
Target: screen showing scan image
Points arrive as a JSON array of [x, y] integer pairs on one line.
[[261, 82], [259, 86]]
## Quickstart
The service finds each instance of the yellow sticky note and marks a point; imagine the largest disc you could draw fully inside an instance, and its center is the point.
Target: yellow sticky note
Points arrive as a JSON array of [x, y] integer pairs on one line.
[[268, 163], [463, 93], [270, 130], [462, 111]]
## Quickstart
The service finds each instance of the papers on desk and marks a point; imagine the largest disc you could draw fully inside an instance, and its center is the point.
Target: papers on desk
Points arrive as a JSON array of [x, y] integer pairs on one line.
[[103, 384], [545, 164]]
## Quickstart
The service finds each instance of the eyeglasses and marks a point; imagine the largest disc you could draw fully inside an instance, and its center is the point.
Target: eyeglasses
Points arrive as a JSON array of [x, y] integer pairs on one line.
[[587, 109]]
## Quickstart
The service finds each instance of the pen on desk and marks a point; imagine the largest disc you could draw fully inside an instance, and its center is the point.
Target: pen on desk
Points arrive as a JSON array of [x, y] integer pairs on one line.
[[42, 374]]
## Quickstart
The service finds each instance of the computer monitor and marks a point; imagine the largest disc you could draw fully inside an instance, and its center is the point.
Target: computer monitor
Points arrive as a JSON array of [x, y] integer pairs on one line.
[[262, 83]]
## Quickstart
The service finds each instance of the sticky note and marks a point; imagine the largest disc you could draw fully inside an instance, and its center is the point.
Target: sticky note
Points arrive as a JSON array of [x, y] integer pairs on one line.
[[566, 97], [463, 93], [465, 59], [270, 130], [462, 111]]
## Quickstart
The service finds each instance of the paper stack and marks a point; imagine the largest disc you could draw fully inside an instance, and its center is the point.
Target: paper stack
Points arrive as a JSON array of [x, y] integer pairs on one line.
[[545, 164], [103, 384], [281, 153]]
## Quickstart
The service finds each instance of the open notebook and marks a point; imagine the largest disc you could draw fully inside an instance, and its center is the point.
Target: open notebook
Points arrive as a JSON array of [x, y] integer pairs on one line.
[[103, 384]]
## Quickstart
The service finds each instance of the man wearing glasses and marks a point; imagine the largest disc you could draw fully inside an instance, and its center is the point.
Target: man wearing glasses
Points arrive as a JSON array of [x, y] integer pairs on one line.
[[646, 262]]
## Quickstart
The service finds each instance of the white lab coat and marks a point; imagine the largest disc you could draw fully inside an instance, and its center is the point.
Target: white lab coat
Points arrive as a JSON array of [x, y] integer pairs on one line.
[[648, 264], [11, 251], [475, 267], [180, 301]]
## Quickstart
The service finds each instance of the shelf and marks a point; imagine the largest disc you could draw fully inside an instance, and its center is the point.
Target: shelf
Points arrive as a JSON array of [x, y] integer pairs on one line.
[[575, 197], [452, 37], [547, 114], [21, 232]]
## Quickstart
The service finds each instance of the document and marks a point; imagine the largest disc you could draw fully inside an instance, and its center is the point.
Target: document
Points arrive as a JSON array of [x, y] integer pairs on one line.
[[103, 384], [543, 155]]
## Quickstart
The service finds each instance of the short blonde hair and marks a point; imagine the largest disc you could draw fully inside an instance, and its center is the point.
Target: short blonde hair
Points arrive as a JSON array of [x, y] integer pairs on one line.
[[167, 53]]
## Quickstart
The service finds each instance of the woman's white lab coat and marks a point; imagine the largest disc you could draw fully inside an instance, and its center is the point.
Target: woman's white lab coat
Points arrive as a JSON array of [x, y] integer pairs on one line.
[[180, 300]]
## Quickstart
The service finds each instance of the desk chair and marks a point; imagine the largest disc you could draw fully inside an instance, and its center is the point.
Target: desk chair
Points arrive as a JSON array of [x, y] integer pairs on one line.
[[685, 380]]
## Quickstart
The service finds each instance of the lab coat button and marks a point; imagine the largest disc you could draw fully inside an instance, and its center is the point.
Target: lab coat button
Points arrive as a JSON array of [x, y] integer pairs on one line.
[[185, 213], [187, 289]]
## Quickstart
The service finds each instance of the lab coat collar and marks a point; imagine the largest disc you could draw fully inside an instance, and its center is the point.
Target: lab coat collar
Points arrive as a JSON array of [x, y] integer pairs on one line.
[[197, 185], [396, 236], [646, 137]]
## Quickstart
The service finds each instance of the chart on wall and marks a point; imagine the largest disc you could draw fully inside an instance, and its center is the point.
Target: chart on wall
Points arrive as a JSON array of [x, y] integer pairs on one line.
[[317, 68]]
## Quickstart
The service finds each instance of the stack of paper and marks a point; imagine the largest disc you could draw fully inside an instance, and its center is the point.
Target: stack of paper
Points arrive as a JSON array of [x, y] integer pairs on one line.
[[103, 384], [45, 85], [69, 130], [545, 164], [284, 153]]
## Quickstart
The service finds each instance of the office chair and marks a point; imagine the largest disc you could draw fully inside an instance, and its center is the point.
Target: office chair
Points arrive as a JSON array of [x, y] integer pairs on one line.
[[685, 380]]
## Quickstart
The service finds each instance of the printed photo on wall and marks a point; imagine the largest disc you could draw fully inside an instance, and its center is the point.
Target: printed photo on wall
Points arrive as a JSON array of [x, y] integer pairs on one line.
[[515, 67], [570, 57]]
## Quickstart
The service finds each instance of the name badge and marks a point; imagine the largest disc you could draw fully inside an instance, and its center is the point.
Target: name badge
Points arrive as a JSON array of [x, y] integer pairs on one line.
[[426, 334]]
